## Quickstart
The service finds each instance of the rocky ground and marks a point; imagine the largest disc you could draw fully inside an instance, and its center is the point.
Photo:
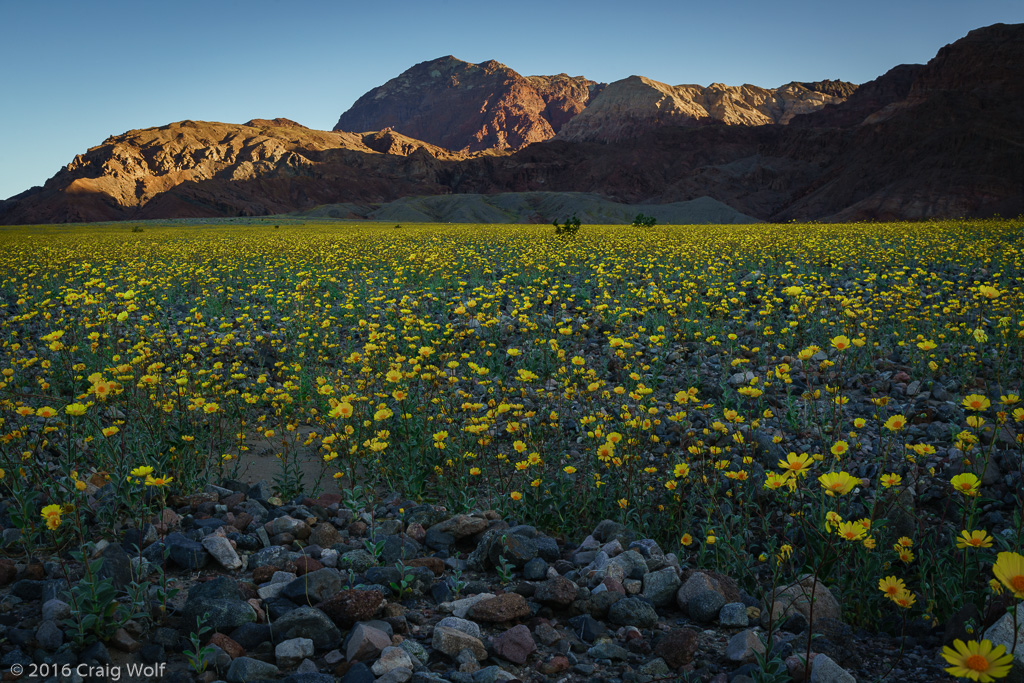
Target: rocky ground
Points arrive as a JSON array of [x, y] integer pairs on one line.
[[297, 592]]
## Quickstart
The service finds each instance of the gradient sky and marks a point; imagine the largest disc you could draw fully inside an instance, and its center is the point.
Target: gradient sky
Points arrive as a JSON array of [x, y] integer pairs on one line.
[[74, 72]]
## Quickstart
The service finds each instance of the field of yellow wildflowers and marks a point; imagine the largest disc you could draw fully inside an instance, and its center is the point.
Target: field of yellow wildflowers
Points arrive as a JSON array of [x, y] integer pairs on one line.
[[772, 401]]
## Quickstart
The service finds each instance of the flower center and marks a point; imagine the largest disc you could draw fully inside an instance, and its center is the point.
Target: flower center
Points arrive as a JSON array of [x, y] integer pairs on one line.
[[1017, 582], [977, 663]]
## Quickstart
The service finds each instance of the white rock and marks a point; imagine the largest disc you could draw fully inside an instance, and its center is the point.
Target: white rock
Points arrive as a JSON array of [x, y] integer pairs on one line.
[[825, 670], [329, 557], [392, 658], [1001, 633], [461, 607], [290, 652], [221, 549]]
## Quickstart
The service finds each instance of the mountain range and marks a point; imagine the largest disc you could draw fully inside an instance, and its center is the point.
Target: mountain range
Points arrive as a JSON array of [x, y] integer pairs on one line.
[[943, 139]]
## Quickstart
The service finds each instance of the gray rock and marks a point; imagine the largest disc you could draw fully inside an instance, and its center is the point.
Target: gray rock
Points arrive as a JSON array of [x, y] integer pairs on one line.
[[218, 604], [627, 565], [359, 673], [733, 615], [244, 669], [356, 560], [290, 652], [652, 553], [308, 622], [825, 670], [705, 605], [799, 596], [633, 612], [698, 581], [657, 668], [116, 565], [186, 553], [493, 674], [415, 650], [547, 548], [421, 578], [274, 556], [399, 675], [535, 570], [314, 587], [307, 666], [289, 525], [608, 529], [465, 625], [56, 610], [660, 587], [49, 636], [517, 550], [365, 642], [261, 491], [398, 547], [606, 649], [743, 646]]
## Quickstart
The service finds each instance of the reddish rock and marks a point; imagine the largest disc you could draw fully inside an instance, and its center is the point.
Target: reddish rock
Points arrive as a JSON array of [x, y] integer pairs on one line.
[[328, 499], [357, 528], [169, 520], [8, 571], [248, 590], [124, 642], [229, 646], [263, 574], [324, 535], [261, 616], [555, 665], [282, 539], [306, 564], [677, 647], [613, 585], [515, 644], [233, 500], [505, 607], [416, 532], [242, 521], [350, 606], [34, 571], [434, 564]]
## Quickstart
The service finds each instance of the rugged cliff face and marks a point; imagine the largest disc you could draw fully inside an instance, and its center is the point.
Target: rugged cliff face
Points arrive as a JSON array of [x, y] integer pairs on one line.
[[636, 105], [201, 168], [472, 107], [937, 140]]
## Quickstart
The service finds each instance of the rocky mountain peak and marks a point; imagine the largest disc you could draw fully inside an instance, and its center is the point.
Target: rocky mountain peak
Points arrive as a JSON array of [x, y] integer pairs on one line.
[[464, 106], [278, 122], [637, 105]]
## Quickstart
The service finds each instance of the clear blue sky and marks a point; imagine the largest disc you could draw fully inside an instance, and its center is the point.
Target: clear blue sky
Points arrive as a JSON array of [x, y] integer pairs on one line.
[[73, 72]]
